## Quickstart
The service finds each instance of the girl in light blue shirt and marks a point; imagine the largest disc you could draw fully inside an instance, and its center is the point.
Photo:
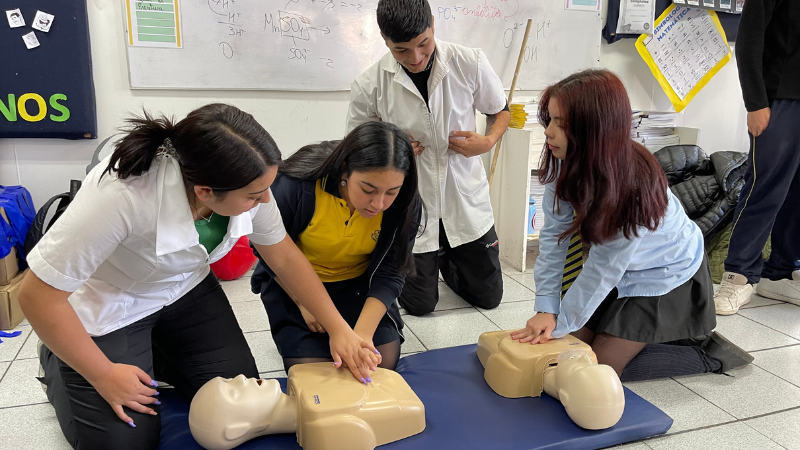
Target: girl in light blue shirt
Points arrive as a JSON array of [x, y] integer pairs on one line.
[[643, 298]]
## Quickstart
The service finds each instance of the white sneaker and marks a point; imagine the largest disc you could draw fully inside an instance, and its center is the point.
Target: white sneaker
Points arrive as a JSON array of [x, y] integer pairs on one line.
[[734, 292], [785, 290]]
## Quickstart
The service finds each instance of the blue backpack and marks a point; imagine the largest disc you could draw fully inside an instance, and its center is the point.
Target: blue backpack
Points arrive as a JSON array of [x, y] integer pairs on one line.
[[18, 207]]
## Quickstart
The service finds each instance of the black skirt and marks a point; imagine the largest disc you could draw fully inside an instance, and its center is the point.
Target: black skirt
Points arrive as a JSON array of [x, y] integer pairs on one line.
[[685, 312], [295, 340]]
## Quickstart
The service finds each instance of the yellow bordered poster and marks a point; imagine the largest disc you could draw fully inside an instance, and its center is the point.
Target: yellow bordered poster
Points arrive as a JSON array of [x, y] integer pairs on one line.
[[153, 23], [687, 48]]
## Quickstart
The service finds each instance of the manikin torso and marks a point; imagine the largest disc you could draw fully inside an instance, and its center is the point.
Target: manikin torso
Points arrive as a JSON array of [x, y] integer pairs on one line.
[[326, 407], [565, 369]]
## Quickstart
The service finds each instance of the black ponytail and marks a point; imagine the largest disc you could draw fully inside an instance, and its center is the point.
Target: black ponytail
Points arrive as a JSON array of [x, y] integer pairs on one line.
[[134, 153], [217, 145]]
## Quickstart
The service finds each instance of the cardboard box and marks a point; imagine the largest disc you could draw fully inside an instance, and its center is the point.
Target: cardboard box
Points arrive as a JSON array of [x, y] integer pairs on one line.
[[10, 312], [9, 267]]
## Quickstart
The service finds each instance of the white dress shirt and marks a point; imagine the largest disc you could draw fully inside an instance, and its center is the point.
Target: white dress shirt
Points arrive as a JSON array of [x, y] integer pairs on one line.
[[453, 187], [127, 248]]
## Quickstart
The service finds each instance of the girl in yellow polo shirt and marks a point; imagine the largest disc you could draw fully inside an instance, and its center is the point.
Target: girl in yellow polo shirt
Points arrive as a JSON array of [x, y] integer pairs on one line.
[[352, 208]]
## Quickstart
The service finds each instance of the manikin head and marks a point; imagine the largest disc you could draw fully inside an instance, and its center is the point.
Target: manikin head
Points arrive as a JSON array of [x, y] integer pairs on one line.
[[591, 393], [228, 412]]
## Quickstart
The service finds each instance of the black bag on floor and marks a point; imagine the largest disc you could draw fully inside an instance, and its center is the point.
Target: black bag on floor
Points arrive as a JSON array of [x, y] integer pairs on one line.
[[39, 227]]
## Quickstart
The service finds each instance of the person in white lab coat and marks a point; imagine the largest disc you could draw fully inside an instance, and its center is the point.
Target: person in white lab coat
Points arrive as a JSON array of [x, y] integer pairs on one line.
[[431, 89], [120, 291]]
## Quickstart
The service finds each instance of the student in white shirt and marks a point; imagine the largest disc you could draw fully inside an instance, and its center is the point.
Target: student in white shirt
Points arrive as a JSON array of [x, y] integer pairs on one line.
[[430, 89], [643, 299], [120, 290]]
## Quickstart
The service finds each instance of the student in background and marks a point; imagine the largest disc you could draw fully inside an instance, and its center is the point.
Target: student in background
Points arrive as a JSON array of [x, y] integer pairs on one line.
[[643, 299], [768, 56], [431, 89], [353, 210], [120, 291]]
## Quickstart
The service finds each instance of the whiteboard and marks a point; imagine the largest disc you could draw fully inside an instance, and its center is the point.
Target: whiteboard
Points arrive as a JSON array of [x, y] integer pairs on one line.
[[326, 44]]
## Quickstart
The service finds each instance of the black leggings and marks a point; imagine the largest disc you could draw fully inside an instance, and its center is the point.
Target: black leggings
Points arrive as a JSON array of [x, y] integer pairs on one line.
[[185, 344]]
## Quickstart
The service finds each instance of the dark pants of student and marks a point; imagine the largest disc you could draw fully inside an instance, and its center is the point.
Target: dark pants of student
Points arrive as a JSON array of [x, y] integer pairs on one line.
[[645, 338], [770, 200], [185, 344], [471, 270], [297, 344]]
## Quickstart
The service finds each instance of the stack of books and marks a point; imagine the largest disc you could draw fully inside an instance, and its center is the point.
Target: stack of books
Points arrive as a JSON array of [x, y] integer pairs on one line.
[[523, 115], [654, 130]]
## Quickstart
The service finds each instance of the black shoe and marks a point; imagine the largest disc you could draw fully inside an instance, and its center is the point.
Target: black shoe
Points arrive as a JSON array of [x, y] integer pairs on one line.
[[726, 352]]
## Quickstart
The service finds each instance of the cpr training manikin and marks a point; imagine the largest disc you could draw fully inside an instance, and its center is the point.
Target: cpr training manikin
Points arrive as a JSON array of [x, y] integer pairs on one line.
[[325, 406], [564, 368]]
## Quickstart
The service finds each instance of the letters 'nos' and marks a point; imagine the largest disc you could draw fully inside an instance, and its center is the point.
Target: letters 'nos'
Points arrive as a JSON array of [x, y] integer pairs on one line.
[[19, 106]]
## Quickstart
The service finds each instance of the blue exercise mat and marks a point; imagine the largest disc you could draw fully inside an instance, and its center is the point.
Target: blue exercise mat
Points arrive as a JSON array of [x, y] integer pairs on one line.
[[462, 412]]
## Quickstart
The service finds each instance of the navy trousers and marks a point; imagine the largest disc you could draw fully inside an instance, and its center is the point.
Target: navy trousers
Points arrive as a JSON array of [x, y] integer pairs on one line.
[[770, 200]]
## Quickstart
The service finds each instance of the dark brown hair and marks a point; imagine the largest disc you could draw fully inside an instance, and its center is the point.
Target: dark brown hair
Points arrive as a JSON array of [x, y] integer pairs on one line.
[[613, 183], [217, 145]]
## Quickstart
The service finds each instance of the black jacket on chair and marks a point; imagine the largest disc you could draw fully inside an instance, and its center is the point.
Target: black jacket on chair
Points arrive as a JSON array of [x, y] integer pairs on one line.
[[707, 187]]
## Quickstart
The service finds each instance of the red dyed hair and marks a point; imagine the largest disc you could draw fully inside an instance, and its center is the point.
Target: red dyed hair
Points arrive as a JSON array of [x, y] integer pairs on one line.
[[613, 183]]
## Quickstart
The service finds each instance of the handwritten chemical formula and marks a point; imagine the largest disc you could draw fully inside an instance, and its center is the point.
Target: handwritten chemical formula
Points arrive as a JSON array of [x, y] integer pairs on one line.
[[326, 44], [284, 24]]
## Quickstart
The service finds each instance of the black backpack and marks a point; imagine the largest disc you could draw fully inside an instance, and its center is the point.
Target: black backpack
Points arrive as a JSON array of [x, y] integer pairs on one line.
[[39, 227]]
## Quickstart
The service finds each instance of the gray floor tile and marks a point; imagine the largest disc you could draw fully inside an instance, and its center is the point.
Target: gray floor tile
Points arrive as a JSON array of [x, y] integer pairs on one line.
[[749, 392], [511, 316], [782, 428], [687, 409], [239, 290], [508, 270], [449, 299], [449, 328], [33, 427], [784, 318], [632, 446], [273, 374], [758, 301], [751, 335], [734, 436], [412, 343], [783, 362], [251, 316], [525, 279], [264, 351], [10, 347], [28, 351], [19, 386], [4, 368], [514, 291]]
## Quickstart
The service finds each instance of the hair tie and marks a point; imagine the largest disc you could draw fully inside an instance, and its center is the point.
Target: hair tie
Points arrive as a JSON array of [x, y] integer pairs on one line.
[[166, 149]]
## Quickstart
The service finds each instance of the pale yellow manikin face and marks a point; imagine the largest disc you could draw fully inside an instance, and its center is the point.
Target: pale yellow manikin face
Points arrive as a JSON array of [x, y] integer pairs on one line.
[[415, 54], [372, 192], [555, 133], [238, 201]]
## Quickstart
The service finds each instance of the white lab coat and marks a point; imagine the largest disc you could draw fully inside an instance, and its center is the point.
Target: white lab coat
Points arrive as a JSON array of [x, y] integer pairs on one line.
[[453, 187], [127, 248]]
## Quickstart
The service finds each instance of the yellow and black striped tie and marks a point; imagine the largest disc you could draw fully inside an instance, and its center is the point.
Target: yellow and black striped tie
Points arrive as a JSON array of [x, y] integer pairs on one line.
[[573, 264]]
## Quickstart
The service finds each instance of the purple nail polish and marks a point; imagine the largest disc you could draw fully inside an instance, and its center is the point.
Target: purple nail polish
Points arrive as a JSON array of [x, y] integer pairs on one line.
[[377, 352], [363, 380], [156, 393], [133, 425], [154, 383], [157, 402], [369, 380]]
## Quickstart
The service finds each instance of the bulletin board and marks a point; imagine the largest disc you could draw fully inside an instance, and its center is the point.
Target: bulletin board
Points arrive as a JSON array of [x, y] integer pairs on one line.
[[47, 91], [687, 48]]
